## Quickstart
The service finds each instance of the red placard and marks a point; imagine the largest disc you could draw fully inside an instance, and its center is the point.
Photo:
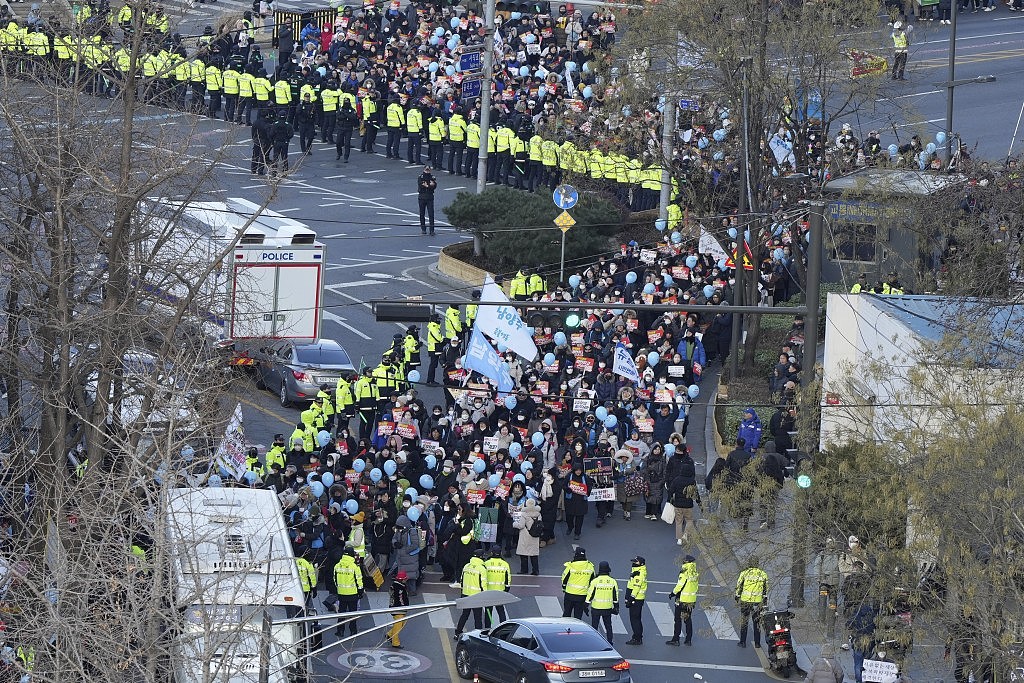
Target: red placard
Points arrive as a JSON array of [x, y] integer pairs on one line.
[[475, 496], [584, 364], [578, 487], [406, 431], [385, 428], [653, 336]]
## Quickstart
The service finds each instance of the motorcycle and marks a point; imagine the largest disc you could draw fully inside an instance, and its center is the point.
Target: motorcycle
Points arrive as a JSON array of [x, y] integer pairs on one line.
[[779, 642]]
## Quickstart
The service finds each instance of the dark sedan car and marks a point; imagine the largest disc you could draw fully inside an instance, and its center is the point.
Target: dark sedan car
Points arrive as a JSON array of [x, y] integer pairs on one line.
[[294, 369], [540, 650]]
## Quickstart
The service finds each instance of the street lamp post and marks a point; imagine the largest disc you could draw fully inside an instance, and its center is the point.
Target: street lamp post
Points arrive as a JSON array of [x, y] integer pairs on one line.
[[952, 83]]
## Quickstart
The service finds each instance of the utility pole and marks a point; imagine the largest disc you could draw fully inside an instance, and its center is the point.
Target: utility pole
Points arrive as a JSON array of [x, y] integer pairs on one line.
[[668, 127], [949, 88], [485, 96]]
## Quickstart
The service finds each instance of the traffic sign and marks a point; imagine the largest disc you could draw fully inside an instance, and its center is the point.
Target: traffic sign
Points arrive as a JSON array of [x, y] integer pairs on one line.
[[565, 221], [565, 197], [471, 88], [471, 61]]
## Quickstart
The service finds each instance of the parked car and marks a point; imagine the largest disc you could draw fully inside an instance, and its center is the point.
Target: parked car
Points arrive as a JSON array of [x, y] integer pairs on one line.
[[539, 650], [295, 368]]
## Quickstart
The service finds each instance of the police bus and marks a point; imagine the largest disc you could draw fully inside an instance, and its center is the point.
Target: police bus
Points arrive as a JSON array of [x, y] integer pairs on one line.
[[232, 565]]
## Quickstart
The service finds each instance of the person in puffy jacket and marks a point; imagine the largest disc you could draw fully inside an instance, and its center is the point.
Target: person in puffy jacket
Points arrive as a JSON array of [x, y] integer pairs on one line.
[[826, 668], [407, 548], [750, 430]]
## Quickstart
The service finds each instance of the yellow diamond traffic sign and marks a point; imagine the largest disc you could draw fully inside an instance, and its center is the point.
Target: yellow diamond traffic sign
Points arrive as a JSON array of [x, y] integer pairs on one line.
[[565, 221]]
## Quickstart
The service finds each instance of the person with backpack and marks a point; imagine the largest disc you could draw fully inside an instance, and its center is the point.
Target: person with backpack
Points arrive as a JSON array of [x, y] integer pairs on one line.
[[528, 546], [407, 549]]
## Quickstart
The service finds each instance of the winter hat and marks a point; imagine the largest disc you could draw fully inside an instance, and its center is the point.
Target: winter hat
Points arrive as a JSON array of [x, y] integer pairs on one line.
[[401, 575], [359, 517], [604, 568]]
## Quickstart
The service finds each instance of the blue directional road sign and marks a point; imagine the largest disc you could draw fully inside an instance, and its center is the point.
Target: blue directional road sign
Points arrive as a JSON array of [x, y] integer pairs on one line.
[[565, 197], [471, 88], [689, 104], [471, 61]]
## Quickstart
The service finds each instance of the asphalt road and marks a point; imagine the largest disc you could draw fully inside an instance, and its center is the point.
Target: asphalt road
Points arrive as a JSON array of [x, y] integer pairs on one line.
[[985, 114]]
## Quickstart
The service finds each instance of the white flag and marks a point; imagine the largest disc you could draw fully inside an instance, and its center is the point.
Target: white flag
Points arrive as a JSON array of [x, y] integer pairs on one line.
[[231, 452], [624, 364], [709, 245], [502, 323]]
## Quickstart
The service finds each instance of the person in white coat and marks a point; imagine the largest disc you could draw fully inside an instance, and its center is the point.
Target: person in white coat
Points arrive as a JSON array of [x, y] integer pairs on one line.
[[528, 547]]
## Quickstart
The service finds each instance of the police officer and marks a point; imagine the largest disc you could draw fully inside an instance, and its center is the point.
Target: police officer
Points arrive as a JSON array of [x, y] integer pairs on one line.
[[435, 344], [308, 577], [472, 148], [327, 406], [365, 395], [371, 123], [436, 134], [471, 310], [425, 186], [411, 348], [346, 120], [751, 592], [576, 578], [684, 594], [636, 594], [457, 138], [396, 124], [305, 121], [453, 322], [414, 127], [348, 581], [474, 577], [276, 452], [861, 285], [262, 141], [603, 599], [900, 47], [281, 135], [498, 578]]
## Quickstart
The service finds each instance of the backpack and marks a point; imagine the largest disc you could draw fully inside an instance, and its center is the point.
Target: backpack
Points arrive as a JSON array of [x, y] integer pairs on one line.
[[536, 529]]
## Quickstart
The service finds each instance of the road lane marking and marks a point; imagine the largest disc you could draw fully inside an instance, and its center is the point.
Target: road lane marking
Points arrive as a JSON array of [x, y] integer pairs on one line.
[[452, 189], [357, 283], [720, 623], [664, 617], [337, 319], [340, 234], [549, 605], [913, 94], [376, 170], [696, 665], [335, 177], [920, 123], [441, 618]]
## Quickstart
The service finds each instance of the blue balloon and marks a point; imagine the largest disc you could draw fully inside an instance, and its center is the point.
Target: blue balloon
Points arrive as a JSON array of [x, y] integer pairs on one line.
[[539, 74], [718, 156], [677, 238], [693, 391], [586, 67], [479, 465], [433, 67], [670, 449], [516, 16], [454, 23], [894, 150], [431, 461], [541, 91], [610, 422], [721, 264], [574, 281], [718, 135], [708, 291], [412, 493], [778, 253], [930, 148], [524, 71], [511, 402], [502, 348], [434, 40], [413, 513], [570, 66], [250, 477], [520, 478], [328, 479], [653, 358], [660, 224], [439, 31], [317, 488], [746, 235], [414, 376], [733, 233], [702, 143], [453, 42], [940, 138], [526, 466], [529, 39], [515, 448], [376, 475], [449, 70], [427, 482], [359, 465], [351, 506], [215, 482], [667, 279], [630, 277], [601, 413], [494, 480], [649, 288], [537, 439], [560, 336], [588, 92], [390, 467], [323, 438], [549, 358], [691, 261]]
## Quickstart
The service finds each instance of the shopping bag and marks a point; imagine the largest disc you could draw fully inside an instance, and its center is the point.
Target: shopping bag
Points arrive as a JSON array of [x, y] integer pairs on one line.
[[372, 571], [668, 513]]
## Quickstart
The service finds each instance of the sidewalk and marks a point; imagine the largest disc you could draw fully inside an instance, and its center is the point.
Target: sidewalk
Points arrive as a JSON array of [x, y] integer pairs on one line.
[[925, 662]]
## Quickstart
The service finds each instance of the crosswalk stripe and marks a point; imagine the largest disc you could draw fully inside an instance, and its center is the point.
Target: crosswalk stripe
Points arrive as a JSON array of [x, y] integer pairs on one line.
[[664, 617], [721, 625], [549, 605], [618, 627], [441, 618], [379, 601]]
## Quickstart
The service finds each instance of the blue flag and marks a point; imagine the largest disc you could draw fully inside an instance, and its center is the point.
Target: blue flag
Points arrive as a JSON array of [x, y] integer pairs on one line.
[[482, 358], [624, 364]]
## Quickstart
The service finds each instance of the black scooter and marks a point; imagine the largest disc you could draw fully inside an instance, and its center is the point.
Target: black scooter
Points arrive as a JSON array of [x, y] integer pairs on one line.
[[779, 642]]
